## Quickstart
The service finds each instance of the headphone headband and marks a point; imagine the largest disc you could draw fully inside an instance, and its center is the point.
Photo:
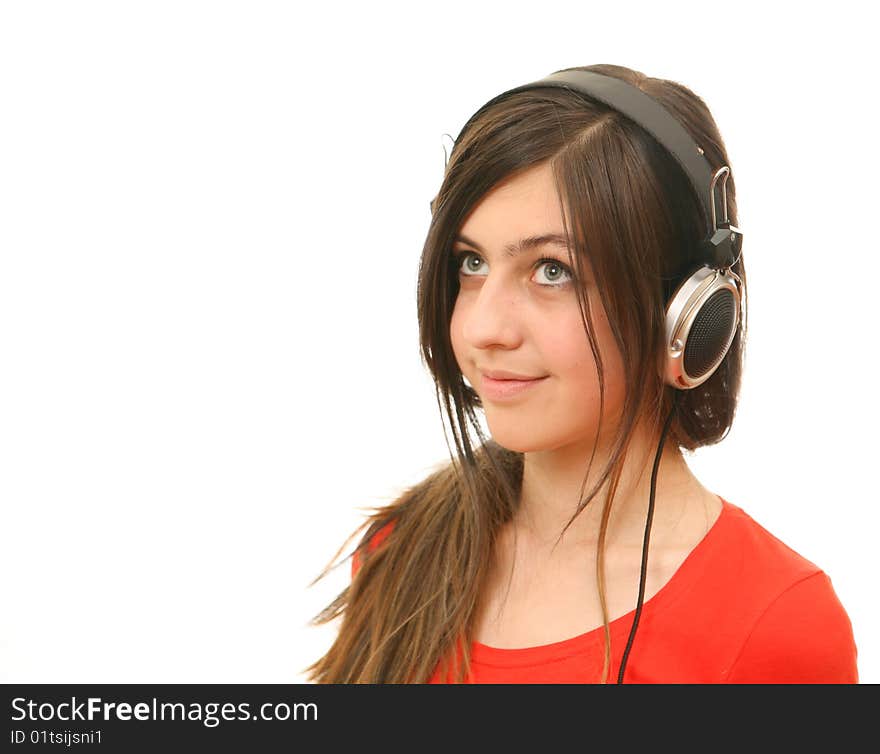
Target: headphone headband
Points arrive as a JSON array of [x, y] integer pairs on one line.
[[721, 246]]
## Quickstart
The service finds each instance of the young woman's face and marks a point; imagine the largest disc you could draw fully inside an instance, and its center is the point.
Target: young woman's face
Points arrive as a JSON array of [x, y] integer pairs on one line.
[[518, 313]]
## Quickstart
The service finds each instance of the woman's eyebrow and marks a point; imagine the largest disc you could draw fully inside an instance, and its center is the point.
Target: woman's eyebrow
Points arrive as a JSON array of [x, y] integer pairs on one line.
[[524, 244]]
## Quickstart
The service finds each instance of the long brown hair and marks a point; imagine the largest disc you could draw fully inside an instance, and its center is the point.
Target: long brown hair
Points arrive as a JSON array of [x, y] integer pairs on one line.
[[410, 607]]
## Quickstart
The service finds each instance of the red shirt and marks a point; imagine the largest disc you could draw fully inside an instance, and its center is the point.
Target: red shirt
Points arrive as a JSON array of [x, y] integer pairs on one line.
[[742, 608]]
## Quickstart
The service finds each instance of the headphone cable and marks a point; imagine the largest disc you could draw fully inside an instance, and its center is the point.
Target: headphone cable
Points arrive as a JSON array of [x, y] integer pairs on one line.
[[647, 538]]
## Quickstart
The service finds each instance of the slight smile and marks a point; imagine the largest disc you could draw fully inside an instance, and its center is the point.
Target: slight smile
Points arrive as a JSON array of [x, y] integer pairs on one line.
[[503, 389]]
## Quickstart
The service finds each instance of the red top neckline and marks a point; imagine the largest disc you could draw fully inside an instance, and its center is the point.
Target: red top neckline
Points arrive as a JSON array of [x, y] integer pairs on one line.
[[682, 580]]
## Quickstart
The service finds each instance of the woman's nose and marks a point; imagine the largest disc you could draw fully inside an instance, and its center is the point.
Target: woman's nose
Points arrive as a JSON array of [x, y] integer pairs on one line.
[[493, 314]]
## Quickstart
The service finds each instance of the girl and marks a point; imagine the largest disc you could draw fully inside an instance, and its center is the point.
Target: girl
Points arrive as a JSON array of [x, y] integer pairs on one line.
[[575, 545]]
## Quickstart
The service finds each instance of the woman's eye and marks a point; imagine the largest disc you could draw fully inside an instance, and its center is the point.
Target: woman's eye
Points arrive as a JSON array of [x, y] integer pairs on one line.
[[557, 274], [466, 258]]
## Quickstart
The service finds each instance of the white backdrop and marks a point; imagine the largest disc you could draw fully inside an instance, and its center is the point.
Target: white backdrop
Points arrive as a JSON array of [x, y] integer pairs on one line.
[[211, 215]]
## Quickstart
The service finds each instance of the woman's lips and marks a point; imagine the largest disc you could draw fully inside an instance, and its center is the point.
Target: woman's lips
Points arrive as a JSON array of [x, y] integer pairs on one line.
[[503, 389]]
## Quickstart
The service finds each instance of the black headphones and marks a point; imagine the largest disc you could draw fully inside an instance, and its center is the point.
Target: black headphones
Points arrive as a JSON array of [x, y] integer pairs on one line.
[[703, 312]]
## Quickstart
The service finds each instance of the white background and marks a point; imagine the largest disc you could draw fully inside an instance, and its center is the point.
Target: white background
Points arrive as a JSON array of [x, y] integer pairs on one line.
[[211, 216]]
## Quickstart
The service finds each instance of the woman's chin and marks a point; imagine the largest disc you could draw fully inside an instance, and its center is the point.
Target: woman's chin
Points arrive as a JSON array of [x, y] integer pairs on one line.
[[518, 440]]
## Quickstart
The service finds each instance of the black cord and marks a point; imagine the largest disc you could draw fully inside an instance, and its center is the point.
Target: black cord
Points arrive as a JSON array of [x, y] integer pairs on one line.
[[635, 625]]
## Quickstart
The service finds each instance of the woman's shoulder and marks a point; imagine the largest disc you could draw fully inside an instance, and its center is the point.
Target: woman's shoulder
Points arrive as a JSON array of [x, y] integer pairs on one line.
[[792, 625], [759, 548], [741, 569], [804, 635]]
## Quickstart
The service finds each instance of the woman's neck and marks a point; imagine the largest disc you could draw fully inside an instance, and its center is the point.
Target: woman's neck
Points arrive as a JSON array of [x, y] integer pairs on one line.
[[553, 484]]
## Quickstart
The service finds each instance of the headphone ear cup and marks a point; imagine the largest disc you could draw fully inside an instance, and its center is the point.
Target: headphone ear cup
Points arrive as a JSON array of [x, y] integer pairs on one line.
[[701, 320]]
